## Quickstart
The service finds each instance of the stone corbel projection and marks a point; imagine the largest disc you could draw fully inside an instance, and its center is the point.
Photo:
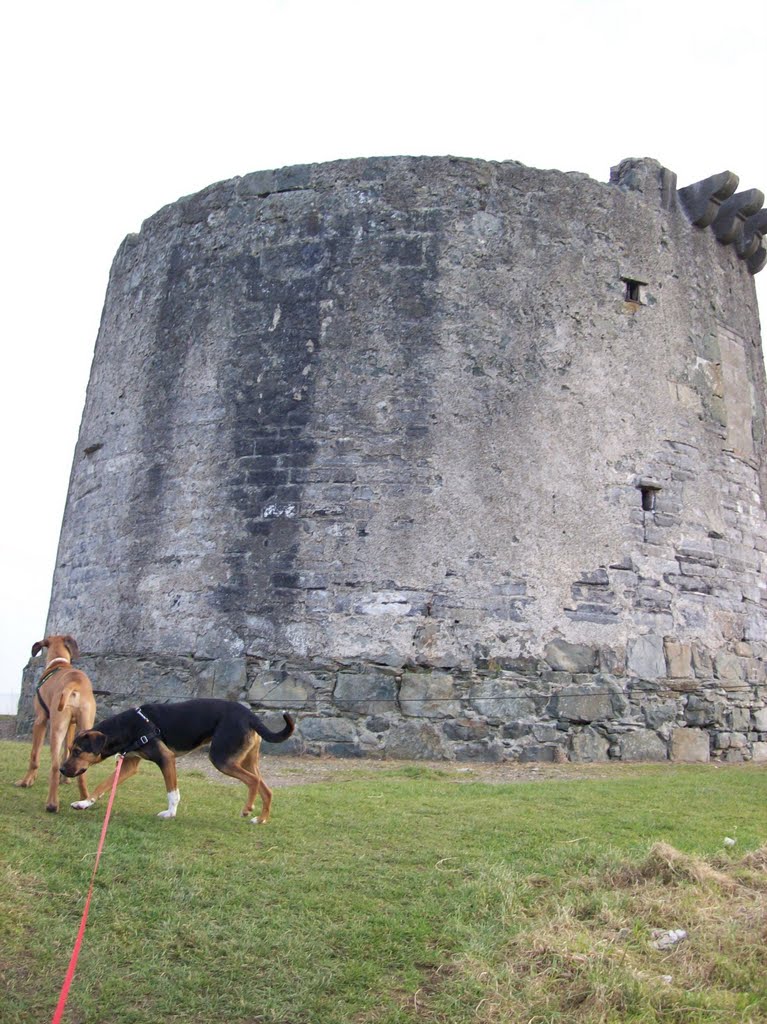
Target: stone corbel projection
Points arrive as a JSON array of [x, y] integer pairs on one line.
[[736, 218]]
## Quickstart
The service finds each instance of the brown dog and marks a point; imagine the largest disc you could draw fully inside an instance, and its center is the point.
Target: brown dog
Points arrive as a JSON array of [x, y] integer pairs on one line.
[[64, 698]]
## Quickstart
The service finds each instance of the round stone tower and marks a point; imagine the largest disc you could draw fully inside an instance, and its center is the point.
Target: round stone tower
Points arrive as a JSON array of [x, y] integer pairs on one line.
[[452, 458]]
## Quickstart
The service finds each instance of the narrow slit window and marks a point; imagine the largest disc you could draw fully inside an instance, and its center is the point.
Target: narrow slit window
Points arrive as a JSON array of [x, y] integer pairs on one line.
[[634, 290], [648, 498]]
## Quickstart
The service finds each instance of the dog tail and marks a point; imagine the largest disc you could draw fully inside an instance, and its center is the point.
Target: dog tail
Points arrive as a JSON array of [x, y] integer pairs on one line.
[[65, 694], [267, 734]]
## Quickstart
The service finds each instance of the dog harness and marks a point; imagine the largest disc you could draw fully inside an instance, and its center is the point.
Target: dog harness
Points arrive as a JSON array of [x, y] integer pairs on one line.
[[46, 675], [146, 737]]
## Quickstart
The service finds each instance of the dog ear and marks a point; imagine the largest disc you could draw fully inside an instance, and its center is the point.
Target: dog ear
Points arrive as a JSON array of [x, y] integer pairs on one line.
[[96, 742], [71, 645], [38, 646]]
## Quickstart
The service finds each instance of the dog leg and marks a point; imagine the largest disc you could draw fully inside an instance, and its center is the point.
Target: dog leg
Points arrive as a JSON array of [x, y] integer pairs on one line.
[[38, 737], [250, 764], [129, 768], [168, 769], [64, 780], [84, 718], [256, 786], [59, 727]]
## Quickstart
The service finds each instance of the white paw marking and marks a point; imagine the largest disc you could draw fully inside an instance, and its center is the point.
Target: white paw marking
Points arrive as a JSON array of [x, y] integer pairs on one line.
[[174, 799], [257, 821], [82, 805]]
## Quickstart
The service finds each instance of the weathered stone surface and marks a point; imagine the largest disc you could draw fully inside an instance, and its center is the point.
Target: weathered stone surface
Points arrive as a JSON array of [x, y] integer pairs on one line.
[[466, 729], [539, 752], [588, 745], [584, 707], [700, 711], [365, 693], [319, 434], [566, 657], [481, 750], [759, 751], [502, 700], [328, 730], [411, 739], [428, 695], [689, 745], [646, 658], [678, 659], [275, 690], [660, 713], [728, 668], [642, 745]]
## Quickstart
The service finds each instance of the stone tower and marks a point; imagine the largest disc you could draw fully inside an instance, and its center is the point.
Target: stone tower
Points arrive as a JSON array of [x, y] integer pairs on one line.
[[452, 458]]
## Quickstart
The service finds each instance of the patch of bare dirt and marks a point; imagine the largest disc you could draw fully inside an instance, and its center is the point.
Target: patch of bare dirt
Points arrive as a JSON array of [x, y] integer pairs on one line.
[[282, 771]]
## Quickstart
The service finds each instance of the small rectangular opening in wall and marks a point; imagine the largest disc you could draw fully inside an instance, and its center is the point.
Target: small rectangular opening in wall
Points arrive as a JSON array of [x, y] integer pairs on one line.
[[648, 499], [634, 290], [648, 490]]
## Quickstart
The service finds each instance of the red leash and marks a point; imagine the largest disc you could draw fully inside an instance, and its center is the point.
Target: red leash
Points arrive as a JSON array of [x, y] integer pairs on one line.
[[79, 940]]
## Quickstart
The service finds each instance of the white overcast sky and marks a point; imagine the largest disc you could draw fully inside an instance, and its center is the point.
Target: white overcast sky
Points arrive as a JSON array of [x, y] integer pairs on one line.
[[112, 109]]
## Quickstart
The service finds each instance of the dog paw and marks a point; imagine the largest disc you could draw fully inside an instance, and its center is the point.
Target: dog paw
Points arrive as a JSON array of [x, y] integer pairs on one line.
[[167, 814], [257, 821], [82, 805], [23, 783], [52, 808]]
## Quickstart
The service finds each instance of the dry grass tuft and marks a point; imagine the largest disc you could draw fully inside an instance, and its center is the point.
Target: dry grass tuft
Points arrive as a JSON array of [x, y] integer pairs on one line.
[[668, 865], [757, 859], [587, 957]]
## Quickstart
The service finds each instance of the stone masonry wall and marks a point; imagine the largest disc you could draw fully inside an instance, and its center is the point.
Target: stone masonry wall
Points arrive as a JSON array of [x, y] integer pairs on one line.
[[454, 459]]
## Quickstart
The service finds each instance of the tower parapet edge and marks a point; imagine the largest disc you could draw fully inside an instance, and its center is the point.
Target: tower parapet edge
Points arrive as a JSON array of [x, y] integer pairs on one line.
[[455, 459]]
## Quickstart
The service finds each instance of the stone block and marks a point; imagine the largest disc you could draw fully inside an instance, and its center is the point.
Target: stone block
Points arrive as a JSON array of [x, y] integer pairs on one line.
[[642, 745], [539, 752], [760, 720], [646, 657], [588, 745], [690, 745], [728, 667], [566, 657], [230, 678], [410, 739], [678, 659], [659, 713], [702, 662], [365, 693], [759, 751], [428, 695], [583, 707], [481, 750], [466, 729], [702, 712], [328, 730], [739, 719], [277, 690], [501, 699]]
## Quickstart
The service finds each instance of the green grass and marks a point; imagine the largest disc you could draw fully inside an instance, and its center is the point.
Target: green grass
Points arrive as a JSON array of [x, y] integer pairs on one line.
[[399, 897]]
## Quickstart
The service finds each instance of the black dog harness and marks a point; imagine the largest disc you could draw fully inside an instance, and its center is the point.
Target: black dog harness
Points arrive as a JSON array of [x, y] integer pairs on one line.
[[147, 737], [45, 676]]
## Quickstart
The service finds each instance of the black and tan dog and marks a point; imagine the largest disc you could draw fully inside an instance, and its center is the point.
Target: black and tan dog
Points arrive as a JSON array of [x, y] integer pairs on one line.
[[160, 732], [64, 698]]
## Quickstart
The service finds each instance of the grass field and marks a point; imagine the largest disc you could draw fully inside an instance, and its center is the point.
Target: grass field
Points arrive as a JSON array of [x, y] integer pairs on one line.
[[398, 896]]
